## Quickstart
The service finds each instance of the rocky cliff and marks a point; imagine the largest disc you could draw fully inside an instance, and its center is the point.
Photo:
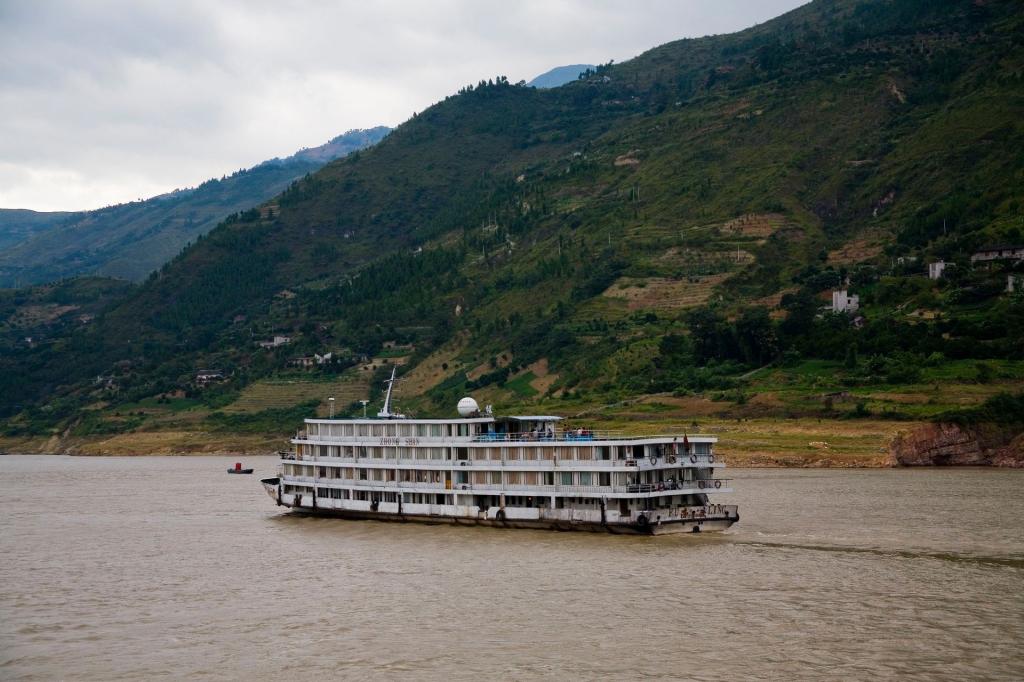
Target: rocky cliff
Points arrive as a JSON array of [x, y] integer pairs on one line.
[[946, 444]]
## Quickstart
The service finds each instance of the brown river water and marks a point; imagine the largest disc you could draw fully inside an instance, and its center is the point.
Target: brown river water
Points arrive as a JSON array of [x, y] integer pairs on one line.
[[157, 567]]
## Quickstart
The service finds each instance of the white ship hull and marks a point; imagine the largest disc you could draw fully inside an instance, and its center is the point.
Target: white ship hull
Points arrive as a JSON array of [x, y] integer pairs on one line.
[[709, 518]]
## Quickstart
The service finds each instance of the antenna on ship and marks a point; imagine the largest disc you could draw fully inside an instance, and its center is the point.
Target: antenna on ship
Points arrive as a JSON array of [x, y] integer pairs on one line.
[[386, 412]]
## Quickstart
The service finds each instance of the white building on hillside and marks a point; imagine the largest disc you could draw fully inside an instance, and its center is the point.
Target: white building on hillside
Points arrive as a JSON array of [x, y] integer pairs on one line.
[[844, 303], [278, 340]]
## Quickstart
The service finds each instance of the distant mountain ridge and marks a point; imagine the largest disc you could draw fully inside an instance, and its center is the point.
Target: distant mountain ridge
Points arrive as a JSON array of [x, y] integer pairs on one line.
[[560, 75], [128, 241], [20, 224]]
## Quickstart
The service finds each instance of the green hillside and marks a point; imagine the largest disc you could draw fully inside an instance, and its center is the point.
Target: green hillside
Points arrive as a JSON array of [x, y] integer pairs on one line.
[[19, 225], [655, 240], [129, 241]]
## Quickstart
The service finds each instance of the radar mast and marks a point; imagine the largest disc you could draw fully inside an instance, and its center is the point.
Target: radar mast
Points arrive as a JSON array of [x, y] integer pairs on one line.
[[386, 412]]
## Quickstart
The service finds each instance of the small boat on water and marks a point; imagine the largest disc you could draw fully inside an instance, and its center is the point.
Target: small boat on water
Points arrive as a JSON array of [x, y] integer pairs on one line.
[[239, 470]]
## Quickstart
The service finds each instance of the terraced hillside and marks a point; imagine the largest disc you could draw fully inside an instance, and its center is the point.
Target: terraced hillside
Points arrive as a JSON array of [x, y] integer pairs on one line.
[[285, 393]]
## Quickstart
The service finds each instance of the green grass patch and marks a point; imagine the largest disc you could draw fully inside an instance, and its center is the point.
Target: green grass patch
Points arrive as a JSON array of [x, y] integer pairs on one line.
[[521, 385], [272, 421]]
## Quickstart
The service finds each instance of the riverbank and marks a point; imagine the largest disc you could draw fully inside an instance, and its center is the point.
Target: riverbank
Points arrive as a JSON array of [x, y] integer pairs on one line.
[[749, 442], [766, 442]]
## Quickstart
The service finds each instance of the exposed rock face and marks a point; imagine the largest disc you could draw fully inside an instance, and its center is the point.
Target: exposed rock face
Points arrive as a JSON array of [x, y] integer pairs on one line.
[[954, 445], [1011, 454]]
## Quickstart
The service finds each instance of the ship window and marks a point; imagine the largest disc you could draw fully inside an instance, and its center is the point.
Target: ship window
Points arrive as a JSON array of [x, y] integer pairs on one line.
[[435, 430], [566, 478], [604, 478], [585, 478]]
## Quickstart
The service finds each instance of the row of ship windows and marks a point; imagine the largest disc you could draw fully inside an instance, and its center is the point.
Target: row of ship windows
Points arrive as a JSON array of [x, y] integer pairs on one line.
[[523, 454], [387, 429], [485, 501], [581, 478]]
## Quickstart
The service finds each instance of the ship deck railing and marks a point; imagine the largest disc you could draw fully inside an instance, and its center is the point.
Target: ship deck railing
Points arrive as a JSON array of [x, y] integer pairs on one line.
[[581, 435], [696, 486], [645, 462], [570, 436]]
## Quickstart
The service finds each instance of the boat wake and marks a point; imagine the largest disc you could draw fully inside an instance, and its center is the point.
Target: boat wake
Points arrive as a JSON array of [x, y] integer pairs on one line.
[[978, 560]]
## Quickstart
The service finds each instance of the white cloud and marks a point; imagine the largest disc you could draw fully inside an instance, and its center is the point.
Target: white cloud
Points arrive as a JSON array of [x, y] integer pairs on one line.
[[112, 101]]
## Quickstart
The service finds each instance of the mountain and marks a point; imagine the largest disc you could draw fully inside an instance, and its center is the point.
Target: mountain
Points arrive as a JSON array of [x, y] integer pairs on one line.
[[560, 75], [662, 234], [131, 240], [20, 225]]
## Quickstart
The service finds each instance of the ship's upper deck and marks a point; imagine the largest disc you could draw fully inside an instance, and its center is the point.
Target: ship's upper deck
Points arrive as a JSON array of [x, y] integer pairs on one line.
[[539, 429]]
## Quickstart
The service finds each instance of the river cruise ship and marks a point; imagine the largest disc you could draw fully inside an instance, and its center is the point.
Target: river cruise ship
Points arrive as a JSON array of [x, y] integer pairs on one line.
[[513, 472]]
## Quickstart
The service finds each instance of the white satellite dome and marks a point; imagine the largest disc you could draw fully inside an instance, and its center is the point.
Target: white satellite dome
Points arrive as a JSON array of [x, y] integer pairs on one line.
[[468, 407]]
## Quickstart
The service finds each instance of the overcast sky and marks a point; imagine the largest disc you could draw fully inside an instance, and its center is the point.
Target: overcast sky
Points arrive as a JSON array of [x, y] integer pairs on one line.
[[103, 102]]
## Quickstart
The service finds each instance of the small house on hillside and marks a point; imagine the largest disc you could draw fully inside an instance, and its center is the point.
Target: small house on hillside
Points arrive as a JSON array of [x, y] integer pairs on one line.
[[936, 269], [843, 302], [999, 252], [275, 342], [307, 361], [209, 376]]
